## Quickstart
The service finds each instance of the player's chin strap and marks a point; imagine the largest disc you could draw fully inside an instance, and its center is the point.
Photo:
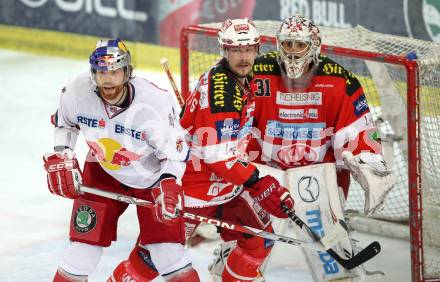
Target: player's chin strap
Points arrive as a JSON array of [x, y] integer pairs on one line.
[[320, 244], [364, 255]]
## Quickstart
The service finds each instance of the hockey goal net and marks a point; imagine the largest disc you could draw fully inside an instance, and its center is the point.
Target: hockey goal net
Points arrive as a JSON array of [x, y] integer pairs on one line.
[[404, 97]]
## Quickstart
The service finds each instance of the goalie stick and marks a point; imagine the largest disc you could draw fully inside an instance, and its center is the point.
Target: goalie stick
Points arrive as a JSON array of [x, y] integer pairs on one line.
[[364, 255], [164, 62], [315, 245]]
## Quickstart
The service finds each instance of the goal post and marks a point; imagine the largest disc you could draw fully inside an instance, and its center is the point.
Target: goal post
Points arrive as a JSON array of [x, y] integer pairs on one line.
[[404, 98]]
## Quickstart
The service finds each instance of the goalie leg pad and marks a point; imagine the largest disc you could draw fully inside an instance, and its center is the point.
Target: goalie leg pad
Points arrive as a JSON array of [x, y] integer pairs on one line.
[[81, 259], [138, 267], [319, 202]]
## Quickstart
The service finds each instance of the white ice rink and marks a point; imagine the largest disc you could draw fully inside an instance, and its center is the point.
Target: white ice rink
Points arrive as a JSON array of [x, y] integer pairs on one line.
[[34, 223]]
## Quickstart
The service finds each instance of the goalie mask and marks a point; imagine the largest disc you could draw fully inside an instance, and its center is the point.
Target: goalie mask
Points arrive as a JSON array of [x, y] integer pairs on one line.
[[110, 55], [298, 44], [238, 33]]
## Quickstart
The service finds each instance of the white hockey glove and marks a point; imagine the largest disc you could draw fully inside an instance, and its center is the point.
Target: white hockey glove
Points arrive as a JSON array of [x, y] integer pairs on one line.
[[371, 172]]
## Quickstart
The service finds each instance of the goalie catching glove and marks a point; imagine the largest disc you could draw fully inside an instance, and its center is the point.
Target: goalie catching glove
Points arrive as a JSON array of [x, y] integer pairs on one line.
[[371, 172], [169, 199], [63, 173], [271, 195]]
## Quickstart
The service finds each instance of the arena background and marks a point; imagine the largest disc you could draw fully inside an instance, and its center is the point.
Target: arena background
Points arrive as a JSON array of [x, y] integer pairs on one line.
[[70, 28]]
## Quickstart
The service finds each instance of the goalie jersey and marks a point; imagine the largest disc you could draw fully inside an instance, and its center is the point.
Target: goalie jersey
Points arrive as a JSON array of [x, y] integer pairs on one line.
[[134, 144], [312, 120]]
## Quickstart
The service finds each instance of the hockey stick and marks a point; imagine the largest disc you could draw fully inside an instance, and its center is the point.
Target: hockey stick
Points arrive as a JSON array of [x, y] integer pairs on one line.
[[364, 255], [315, 245], [164, 62]]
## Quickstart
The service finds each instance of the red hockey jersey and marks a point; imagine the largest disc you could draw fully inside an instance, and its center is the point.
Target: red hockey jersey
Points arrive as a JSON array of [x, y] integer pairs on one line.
[[312, 121], [218, 116]]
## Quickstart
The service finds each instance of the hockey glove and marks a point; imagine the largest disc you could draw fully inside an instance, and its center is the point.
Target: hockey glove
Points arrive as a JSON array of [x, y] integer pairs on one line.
[[169, 200], [63, 173], [269, 193], [372, 174]]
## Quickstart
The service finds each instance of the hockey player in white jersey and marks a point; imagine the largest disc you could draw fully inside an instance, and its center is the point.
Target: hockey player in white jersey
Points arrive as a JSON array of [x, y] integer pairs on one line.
[[136, 148]]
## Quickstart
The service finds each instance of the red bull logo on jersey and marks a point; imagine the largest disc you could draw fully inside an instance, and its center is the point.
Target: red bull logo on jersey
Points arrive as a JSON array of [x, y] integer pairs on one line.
[[112, 155]]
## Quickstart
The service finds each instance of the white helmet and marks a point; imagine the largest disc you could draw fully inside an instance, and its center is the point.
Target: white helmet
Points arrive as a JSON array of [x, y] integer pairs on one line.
[[238, 33], [298, 31]]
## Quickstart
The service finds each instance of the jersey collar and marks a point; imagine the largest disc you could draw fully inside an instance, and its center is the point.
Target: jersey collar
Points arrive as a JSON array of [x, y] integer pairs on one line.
[[113, 110]]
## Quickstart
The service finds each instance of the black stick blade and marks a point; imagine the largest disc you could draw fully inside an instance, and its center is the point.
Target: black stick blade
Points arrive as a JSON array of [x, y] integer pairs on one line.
[[363, 256]]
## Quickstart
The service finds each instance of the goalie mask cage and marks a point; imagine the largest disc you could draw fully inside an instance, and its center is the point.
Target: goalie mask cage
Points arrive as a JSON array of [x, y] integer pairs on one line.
[[404, 98]]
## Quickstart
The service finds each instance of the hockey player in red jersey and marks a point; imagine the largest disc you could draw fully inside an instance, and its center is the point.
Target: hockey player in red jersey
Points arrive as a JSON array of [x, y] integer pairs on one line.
[[137, 148], [311, 110], [218, 181]]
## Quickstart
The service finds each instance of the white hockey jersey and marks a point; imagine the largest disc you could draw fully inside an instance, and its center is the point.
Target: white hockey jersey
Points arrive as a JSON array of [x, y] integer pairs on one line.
[[135, 145]]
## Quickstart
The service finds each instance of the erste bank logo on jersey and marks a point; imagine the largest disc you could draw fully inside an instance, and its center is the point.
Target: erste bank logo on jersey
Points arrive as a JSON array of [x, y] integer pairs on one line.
[[94, 122], [295, 131], [136, 134], [99, 122]]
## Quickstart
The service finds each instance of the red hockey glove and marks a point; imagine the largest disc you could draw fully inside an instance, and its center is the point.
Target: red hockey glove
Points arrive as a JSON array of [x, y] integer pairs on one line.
[[271, 195], [169, 200], [63, 173]]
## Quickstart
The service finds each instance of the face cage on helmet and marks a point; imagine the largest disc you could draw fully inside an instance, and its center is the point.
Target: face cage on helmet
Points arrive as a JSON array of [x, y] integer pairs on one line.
[[295, 67]]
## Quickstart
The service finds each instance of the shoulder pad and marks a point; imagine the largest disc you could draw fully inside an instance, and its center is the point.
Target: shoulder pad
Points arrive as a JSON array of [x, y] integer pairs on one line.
[[328, 67], [266, 64]]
